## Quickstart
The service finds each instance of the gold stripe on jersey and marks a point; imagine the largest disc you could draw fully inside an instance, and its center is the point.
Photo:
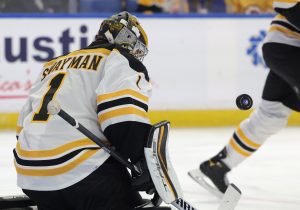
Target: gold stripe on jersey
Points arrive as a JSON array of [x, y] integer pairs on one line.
[[102, 51], [280, 17], [18, 129], [55, 171], [246, 140], [122, 112], [109, 96], [285, 31], [53, 152], [239, 150]]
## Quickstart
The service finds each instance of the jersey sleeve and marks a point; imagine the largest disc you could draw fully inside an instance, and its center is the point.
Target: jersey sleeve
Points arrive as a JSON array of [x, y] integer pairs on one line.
[[122, 104], [289, 9]]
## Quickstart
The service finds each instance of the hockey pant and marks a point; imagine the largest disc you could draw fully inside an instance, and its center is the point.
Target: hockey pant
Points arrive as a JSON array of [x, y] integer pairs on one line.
[[107, 188]]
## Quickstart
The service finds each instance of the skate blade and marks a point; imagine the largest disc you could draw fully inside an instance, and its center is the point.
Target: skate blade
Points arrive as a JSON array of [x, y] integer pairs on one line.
[[199, 177]]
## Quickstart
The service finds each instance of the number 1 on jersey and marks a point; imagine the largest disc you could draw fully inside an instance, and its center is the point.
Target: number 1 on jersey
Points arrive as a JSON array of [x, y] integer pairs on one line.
[[54, 84]]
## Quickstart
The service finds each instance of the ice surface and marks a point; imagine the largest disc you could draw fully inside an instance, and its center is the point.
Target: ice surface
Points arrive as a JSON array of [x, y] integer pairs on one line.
[[269, 180]]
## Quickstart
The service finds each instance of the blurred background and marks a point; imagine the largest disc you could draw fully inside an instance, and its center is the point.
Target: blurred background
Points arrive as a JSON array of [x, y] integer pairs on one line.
[[211, 50], [141, 6]]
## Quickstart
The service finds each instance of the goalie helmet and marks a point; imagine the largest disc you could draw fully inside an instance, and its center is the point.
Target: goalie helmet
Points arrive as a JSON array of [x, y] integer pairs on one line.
[[124, 29]]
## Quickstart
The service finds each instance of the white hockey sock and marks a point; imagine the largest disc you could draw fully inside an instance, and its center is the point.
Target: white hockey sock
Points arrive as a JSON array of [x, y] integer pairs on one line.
[[265, 121]]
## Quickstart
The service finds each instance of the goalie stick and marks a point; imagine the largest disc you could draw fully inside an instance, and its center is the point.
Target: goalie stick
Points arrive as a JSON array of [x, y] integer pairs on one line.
[[55, 109], [228, 202]]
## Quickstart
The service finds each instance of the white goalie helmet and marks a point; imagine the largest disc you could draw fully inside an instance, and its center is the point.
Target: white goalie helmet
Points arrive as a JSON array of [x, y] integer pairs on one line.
[[125, 30]]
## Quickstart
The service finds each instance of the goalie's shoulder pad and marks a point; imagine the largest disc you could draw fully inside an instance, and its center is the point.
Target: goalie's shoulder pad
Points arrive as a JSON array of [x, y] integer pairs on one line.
[[159, 164]]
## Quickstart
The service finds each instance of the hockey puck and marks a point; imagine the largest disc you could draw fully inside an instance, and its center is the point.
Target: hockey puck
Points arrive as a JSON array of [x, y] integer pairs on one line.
[[244, 102]]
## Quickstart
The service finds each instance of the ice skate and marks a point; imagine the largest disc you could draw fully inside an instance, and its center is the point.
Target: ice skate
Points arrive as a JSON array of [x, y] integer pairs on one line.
[[212, 175]]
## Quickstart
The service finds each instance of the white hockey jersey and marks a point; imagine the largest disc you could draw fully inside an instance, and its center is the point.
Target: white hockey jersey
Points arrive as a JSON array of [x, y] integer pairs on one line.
[[99, 87], [285, 28]]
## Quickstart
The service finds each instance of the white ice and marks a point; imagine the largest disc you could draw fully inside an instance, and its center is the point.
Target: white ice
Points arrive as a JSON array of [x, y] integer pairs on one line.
[[269, 180]]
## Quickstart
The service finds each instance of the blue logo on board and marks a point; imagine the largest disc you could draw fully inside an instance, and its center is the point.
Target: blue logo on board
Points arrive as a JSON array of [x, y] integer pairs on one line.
[[254, 49]]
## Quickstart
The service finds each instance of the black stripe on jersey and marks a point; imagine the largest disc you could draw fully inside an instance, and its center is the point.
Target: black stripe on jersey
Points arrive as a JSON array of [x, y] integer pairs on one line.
[[101, 44], [50, 162], [121, 101], [134, 63], [241, 144], [286, 25]]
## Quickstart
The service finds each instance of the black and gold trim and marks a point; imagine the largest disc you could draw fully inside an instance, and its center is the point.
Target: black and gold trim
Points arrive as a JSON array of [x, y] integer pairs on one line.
[[53, 86], [54, 161], [49, 162], [286, 25], [162, 141], [120, 102], [242, 144]]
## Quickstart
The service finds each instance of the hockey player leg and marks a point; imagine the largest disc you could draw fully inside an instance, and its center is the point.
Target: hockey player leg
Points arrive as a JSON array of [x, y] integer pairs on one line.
[[265, 121]]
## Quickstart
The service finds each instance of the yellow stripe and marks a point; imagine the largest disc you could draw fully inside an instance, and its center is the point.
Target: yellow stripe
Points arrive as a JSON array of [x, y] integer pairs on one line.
[[246, 140], [53, 152], [79, 52], [18, 129], [146, 2], [287, 1], [178, 118], [281, 17], [285, 31], [120, 112], [131, 92], [238, 149], [56, 171]]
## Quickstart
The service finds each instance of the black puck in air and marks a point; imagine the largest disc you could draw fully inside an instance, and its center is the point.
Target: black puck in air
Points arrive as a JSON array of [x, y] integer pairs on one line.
[[244, 102]]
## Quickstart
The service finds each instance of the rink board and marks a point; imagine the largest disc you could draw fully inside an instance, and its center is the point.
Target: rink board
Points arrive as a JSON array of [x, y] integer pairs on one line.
[[197, 65], [187, 118]]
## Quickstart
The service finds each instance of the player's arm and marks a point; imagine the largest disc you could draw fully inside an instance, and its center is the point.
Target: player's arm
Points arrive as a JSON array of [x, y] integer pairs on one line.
[[289, 9], [122, 102]]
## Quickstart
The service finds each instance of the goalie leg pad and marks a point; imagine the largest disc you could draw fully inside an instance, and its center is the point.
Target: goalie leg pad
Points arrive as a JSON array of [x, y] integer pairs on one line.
[[159, 164]]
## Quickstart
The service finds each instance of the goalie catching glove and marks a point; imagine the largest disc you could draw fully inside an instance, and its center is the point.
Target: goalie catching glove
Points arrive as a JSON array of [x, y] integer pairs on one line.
[[142, 182]]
